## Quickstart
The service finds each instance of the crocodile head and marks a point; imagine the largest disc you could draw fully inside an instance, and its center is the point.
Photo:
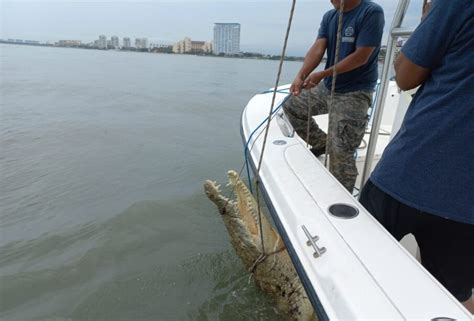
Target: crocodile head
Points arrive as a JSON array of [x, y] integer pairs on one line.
[[274, 273], [241, 219]]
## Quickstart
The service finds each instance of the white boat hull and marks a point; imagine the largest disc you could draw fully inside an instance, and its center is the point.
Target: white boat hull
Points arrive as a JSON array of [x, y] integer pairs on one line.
[[364, 273]]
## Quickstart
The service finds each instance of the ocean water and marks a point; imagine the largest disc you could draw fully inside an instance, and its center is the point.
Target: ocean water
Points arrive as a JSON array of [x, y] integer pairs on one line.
[[102, 159]]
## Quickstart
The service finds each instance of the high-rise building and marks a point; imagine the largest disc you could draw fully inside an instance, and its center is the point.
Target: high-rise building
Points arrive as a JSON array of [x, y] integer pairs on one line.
[[102, 42], [182, 46], [114, 40], [226, 38], [141, 43], [127, 43]]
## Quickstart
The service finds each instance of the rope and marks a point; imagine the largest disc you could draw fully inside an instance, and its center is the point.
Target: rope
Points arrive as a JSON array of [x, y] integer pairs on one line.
[[275, 89], [247, 149], [334, 75], [310, 111], [262, 258]]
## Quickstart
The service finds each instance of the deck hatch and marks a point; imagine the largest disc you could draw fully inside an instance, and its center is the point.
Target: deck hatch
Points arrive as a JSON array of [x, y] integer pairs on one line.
[[343, 211]]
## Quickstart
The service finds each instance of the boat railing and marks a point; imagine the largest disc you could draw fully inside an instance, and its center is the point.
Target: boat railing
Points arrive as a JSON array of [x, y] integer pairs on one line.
[[396, 30]]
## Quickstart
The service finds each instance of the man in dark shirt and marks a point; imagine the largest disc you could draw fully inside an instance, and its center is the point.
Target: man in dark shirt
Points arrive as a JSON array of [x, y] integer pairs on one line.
[[362, 29], [424, 183]]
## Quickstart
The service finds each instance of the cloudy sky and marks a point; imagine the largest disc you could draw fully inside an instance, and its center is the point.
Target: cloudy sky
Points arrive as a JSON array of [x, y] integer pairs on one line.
[[263, 21]]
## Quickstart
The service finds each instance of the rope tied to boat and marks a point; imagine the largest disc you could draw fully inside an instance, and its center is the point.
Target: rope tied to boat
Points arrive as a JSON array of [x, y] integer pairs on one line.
[[275, 90], [334, 76], [262, 258], [265, 255], [269, 118]]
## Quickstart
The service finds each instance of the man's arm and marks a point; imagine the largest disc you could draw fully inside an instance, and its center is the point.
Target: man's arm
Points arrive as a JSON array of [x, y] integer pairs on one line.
[[425, 49], [313, 57], [355, 60], [426, 9], [409, 75], [311, 61]]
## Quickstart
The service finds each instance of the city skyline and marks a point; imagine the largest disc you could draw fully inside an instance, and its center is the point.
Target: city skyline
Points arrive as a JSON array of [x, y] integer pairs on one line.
[[263, 25]]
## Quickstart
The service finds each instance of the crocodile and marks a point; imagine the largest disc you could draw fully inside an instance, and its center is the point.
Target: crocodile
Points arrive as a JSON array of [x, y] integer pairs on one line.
[[272, 271]]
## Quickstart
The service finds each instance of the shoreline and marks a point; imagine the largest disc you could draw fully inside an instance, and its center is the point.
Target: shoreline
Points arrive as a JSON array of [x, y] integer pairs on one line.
[[251, 56]]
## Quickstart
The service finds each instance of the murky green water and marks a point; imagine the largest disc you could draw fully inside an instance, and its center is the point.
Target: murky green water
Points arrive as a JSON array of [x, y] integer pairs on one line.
[[102, 159]]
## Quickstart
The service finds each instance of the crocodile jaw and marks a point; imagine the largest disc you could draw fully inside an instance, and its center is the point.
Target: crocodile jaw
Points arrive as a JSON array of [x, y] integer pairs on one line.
[[241, 219], [275, 274]]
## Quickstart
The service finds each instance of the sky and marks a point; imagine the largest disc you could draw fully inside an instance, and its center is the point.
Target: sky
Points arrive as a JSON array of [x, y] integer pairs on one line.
[[263, 22]]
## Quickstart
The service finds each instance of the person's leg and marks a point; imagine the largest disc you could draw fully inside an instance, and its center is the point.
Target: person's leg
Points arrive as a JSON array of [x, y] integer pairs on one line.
[[348, 120], [296, 109], [397, 218], [445, 246], [446, 249]]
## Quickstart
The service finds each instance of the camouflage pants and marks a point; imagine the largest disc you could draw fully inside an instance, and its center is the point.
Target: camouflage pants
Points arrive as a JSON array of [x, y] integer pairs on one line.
[[347, 124]]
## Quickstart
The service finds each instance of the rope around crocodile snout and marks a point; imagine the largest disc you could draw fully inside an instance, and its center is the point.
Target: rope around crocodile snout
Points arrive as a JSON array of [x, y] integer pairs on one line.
[[261, 259]]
